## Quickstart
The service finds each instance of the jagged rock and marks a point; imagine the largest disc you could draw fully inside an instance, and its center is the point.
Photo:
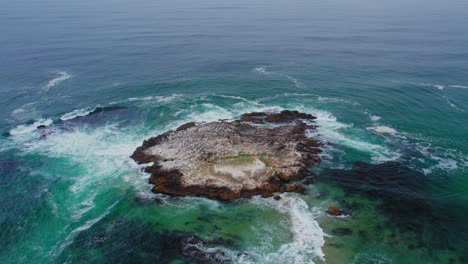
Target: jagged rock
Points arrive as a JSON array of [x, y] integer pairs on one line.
[[283, 116], [229, 160], [295, 188], [287, 116], [277, 197]]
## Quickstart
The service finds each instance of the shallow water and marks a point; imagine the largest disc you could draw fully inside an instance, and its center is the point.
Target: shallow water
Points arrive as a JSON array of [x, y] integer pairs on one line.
[[387, 82]]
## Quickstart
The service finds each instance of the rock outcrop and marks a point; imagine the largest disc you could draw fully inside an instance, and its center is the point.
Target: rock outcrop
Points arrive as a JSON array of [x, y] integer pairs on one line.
[[229, 160]]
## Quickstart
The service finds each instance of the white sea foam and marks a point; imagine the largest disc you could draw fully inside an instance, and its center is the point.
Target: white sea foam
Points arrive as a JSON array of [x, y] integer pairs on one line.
[[431, 158], [26, 112], [459, 86], [83, 207], [327, 99], [25, 130], [101, 154], [454, 106], [383, 130], [442, 87], [332, 131], [296, 82], [261, 70], [23, 109], [87, 225], [77, 113], [254, 102], [61, 76], [437, 86], [158, 98], [96, 161], [375, 118], [210, 113], [308, 236]]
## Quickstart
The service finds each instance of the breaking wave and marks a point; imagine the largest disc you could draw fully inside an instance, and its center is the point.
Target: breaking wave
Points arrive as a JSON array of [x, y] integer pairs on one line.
[[308, 237], [102, 156], [77, 113]]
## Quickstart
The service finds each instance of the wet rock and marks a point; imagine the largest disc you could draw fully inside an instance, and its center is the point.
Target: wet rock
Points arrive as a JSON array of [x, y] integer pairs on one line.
[[277, 197], [186, 126], [99, 109], [342, 231], [41, 127], [283, 116], [309, 180], [333, 210], [295, 188], [254, 117], [230, 160], [287, 116]]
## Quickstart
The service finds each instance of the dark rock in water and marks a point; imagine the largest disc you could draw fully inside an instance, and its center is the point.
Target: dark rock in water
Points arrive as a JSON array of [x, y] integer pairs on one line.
[[333, 210], [277, 197], [41, 127], [342, 231], [287, 116], [191, 247], [254, 117], [99, 114], [126, 241], [406, 201], [295, 188], [389, 179], [186, 126], [99, 109], [230, 160], [309, 180], [283, 116]]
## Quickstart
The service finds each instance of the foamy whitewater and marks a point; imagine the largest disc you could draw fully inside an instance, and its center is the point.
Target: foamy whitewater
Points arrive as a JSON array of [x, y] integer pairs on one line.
[[84, 83]]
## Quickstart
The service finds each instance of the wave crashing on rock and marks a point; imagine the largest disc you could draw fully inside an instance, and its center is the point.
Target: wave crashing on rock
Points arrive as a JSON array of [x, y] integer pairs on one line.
[[230, 160]]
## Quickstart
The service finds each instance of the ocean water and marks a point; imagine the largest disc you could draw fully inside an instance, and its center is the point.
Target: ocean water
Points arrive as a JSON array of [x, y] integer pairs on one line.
[[388, 82]]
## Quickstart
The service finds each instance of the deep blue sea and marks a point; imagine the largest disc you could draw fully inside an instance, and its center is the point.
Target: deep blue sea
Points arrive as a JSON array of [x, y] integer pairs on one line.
[[387, 80]]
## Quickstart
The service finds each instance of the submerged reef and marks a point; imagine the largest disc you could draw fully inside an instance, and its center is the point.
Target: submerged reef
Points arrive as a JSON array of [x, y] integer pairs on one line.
[[260, 154]]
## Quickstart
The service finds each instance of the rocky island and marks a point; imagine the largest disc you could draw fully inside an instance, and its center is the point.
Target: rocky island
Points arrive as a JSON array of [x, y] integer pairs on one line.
[[259, 154]]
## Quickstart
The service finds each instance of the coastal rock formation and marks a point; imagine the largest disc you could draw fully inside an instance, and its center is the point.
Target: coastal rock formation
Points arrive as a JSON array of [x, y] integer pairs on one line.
[[229, 160], [333, 210]]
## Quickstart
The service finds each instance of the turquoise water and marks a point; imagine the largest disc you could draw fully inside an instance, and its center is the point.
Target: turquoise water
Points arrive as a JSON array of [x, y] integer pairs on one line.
[[387, 81]]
